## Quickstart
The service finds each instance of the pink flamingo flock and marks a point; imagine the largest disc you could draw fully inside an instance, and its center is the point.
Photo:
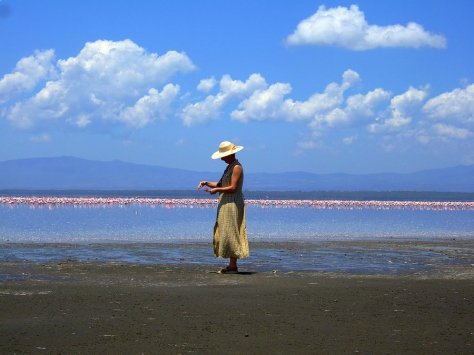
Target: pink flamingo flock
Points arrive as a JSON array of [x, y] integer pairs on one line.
[[80, 202]]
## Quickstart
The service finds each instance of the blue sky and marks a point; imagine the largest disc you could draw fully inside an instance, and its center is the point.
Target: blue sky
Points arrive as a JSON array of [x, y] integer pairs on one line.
[[356, 87]]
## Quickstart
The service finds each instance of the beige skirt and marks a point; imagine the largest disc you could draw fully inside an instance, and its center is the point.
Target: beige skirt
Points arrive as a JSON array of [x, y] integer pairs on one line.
[[230, 232]]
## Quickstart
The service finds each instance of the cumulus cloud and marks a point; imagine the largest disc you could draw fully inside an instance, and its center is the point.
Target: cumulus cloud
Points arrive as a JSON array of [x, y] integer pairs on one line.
[[41, 138], [111, 81], [409, 117], [347, 28], [401, 111], [358, 110], [120, 83], [263, 104], [206, 85], [456, 105], [180, 142], [29, 71], [444, 130], [378, 114], [269, 103], [153, 105], [349, 140], [210, 107], [306, 145], [448, 116]]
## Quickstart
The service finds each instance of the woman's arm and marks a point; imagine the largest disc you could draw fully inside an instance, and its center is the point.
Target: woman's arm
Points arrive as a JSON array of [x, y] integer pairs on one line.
[[211, 184], [234, 182]]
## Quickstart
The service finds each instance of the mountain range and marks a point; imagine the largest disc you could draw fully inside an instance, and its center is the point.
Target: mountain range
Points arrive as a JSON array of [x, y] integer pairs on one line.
[[70, 173]]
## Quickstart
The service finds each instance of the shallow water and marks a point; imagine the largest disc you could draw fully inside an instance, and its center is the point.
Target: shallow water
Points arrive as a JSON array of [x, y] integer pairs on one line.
[[369, 241], [351, 257], [167, 225]]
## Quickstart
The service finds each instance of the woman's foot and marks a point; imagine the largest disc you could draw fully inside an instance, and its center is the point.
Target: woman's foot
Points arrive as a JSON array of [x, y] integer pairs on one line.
[[228, 270]]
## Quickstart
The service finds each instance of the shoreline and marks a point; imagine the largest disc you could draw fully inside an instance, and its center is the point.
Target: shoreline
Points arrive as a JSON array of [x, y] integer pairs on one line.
[[129, 308], [392, 257]]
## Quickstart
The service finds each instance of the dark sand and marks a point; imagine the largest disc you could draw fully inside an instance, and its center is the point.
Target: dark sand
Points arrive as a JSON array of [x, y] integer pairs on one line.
[[83, 308]]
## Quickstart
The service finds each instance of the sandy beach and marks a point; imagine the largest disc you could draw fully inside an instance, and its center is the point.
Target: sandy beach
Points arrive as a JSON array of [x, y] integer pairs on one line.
[[77, 307]]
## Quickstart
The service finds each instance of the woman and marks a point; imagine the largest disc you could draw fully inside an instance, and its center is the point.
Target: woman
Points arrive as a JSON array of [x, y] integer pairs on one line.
[[230, 234]]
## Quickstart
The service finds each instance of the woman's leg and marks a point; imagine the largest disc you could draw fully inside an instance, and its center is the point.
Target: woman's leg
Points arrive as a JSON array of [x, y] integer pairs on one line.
[[232, 263], [231, 268]]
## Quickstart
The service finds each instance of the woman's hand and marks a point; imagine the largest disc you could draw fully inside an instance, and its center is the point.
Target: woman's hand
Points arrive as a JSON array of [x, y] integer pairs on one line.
[[212, 191], [201, 184]]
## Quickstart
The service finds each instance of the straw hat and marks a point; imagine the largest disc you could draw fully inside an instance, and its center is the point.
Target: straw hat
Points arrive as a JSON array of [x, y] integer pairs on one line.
[[225, 149]]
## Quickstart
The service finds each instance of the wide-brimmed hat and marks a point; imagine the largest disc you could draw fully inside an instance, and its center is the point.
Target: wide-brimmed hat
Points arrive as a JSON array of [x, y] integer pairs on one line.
[[226, 148]]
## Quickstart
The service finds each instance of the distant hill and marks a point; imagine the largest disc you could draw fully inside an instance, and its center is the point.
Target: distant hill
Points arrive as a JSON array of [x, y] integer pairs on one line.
[[65, 173], [454, 179]]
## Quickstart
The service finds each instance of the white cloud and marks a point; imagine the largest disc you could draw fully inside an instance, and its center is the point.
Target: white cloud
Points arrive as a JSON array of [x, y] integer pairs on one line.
[[263, 104], [41, 138], [28, 72], [121, 66], [206, 85], [456, 105], [361, 105], [269, 104], [348, 28], [358, 109], [231, 87], [402, 109], [211, 106], [202, 111], [409, 118], [307, 145], [112, 81], [82, 121], [349, 140], [149, 107], [449, 131], [180, 142], [119, 83]]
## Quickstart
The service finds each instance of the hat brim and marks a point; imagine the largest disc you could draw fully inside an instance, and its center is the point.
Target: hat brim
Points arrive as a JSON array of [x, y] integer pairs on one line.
[[218, 155]]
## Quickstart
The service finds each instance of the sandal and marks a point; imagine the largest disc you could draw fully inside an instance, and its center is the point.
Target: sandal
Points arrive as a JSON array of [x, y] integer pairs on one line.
[[227, 270]]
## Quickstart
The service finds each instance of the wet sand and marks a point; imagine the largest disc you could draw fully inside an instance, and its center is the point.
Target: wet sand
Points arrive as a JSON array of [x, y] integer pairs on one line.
[[80, 307]]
